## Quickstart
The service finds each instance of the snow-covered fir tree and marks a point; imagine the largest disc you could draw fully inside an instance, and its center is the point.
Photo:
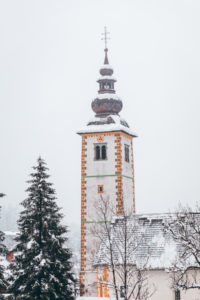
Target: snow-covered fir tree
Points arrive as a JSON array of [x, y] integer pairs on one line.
[[3, 282], [42, 265]]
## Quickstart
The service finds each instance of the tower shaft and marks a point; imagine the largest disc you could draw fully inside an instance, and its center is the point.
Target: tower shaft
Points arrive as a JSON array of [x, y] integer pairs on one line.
[[107, 171]]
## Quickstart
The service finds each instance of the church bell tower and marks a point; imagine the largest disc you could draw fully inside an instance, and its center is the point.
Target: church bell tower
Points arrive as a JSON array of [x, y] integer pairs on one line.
[[107, 167]]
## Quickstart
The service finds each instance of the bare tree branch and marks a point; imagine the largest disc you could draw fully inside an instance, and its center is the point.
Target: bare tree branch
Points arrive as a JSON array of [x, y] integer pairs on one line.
[[120, 240], [184, 227]]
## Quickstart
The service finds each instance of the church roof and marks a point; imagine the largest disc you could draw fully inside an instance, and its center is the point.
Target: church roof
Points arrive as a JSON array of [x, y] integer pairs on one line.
[[149, 245], [110, 123]]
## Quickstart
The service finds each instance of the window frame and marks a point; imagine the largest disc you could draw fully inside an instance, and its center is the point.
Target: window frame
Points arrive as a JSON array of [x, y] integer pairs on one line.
[[100, 186], [127, 155], [101, 152]]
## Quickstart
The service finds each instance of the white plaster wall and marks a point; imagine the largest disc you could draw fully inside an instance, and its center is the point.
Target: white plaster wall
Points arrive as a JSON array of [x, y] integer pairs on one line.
[[128, 194], [101, 167], [98, 168], [93, 197], [94, 168], [127, 167], [160, 282], [107, 167], [127, 170]]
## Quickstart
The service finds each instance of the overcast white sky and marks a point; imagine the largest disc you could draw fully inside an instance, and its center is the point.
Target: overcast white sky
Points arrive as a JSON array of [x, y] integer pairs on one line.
[[50, 53]]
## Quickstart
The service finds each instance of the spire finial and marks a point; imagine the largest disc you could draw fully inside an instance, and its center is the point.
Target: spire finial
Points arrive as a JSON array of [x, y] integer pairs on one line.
[[105, 38]]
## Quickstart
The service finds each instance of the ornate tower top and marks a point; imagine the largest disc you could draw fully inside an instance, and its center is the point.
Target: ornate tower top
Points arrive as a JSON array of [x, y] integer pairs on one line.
[[107, 104]]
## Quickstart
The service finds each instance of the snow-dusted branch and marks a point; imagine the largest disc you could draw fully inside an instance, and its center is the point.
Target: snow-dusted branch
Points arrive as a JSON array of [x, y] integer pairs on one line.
[[184, 227], [120, 239]]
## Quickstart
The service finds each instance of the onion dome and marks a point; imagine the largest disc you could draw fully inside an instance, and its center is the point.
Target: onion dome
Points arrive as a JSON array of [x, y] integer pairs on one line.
[[107, 102], [106, 105]]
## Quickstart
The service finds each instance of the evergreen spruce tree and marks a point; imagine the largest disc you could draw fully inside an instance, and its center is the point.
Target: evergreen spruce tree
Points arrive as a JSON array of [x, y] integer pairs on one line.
[[42, 267], [3, 282]]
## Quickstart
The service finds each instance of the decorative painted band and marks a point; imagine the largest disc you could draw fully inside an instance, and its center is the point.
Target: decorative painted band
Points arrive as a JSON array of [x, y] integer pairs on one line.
[[111, 175], [116, 133]]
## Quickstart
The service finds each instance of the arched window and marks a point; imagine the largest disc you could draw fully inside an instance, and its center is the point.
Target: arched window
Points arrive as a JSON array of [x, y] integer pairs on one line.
[[97, 152], [106, 86], [126, 152], [103, 150], [100, 152]]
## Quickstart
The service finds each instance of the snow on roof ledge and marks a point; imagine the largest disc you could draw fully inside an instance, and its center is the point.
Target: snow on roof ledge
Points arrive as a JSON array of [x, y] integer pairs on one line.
[[106, 128], [106, 67], [107, 96]]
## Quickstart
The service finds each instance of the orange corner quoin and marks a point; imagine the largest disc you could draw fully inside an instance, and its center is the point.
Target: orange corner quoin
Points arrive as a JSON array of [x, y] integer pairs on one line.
[[105, 174]]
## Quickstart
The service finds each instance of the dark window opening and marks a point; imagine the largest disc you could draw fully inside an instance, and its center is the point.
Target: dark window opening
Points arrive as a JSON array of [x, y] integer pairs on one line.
[[100, 152], [122, 291], [126, 150], [177, 295], [97, 154], [103, 149], [106, 86], [100, 189]]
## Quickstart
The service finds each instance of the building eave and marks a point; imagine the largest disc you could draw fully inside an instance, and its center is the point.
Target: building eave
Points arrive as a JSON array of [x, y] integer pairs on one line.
[[128, 132]]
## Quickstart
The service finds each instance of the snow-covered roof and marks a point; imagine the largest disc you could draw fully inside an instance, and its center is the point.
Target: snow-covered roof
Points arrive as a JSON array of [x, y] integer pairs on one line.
[[107, 78], [156, 250], [106, 66], [106, 128], [107, 96], [107, 124]]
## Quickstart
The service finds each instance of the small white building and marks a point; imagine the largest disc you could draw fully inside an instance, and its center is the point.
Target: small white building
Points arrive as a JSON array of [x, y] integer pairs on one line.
[[151, 252]]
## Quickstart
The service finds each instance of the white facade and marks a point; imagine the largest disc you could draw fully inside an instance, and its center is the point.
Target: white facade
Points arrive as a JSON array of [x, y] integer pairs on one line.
[[160, 282], [116, 177], [103, 172]]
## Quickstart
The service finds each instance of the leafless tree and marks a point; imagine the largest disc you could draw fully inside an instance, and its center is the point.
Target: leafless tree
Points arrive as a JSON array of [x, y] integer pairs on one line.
[[184, 227], [120, 242]]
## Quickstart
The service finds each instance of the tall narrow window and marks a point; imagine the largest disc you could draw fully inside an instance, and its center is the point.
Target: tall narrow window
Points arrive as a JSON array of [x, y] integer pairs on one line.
[[177, 295], [126, 153], [103, 149], [100, 152], [97, 152]]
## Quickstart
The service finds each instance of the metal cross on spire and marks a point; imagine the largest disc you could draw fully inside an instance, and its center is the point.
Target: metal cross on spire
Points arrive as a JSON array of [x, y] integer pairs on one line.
[[105, 37]]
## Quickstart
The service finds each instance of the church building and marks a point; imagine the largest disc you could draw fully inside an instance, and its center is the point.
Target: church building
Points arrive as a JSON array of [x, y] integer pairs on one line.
[[107, 166], [107, 171]]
